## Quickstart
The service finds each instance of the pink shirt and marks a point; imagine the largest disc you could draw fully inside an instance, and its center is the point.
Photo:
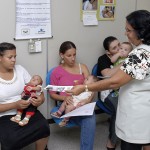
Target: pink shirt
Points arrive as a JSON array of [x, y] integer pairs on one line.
[[61, 77]]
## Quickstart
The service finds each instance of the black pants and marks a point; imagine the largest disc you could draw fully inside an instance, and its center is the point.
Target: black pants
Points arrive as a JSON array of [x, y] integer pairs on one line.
[[131, 146], [111, 103], [15, 137], [30, 108]]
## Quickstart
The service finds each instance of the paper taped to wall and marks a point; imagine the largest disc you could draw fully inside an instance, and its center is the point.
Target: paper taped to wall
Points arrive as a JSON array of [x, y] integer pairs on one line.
[[58, 88]]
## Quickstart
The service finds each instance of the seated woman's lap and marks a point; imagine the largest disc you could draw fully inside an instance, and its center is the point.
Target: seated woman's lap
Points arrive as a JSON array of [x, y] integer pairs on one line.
[[13, 136], [77, 120], [87, 125], [58, 120]]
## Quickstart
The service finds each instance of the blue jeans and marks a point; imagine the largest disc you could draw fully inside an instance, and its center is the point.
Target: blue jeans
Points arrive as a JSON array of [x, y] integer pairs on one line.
[[87, 125]]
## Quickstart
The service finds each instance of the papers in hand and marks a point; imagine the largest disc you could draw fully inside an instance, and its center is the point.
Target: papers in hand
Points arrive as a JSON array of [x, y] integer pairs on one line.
[[85, 110], [58, 88]]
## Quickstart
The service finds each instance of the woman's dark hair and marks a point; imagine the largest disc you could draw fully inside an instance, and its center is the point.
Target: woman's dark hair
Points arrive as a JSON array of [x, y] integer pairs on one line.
[[6, 46], [107, 42], [65, 46], [84, 1], [140, 22]]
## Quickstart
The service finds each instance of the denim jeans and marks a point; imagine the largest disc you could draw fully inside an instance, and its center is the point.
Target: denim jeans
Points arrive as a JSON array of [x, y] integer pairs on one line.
[[87, 125]]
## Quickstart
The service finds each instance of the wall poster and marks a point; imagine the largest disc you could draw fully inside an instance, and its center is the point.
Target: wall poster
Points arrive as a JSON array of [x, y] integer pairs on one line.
[[104, 9], [33, 19]]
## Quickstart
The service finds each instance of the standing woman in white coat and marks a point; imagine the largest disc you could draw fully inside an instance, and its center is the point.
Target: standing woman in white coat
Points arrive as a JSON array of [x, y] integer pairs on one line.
[[133, 112]]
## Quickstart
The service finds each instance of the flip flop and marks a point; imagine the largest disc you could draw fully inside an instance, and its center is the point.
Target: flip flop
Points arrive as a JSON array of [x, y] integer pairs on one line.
[[56, 114], [63, 123]]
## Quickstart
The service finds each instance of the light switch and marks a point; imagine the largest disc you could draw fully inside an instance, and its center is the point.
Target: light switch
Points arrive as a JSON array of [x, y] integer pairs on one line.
[[35, 46], [38, 46]]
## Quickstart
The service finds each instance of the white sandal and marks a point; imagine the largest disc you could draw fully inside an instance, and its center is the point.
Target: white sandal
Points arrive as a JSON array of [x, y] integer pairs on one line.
[[56, 115], [63, 123], [16, 118], [24, 121]]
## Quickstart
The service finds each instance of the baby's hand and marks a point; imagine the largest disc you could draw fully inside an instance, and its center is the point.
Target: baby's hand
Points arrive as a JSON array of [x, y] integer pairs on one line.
[[79, 105], [33, 94], [22, 104], [29, 88], [68, 100], [121, 53]]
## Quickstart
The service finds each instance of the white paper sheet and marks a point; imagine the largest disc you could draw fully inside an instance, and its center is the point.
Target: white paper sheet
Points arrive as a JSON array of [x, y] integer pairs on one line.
[[85, 110], [89, 18], [58, 88], [33, 19]]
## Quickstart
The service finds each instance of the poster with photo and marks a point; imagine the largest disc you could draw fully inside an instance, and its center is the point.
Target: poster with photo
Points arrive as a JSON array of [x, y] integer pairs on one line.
[[88, 5], [89, 12], [106, 12], [108, 1], [104, 9]]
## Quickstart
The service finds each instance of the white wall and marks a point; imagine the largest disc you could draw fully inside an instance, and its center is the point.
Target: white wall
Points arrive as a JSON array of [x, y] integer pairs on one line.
[[144, 4], [66, 25]]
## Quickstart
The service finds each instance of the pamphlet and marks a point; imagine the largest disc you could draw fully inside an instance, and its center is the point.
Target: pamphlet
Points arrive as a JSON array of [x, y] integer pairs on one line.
[[85, 110], [58, 88]]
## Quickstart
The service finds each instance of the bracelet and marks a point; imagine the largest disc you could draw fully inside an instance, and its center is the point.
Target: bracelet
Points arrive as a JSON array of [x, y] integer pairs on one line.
[[86, 88]]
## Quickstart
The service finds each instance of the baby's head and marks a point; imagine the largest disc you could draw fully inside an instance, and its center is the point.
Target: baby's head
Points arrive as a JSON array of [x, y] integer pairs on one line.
[[36, 80], [126, 48], [90, 79]]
